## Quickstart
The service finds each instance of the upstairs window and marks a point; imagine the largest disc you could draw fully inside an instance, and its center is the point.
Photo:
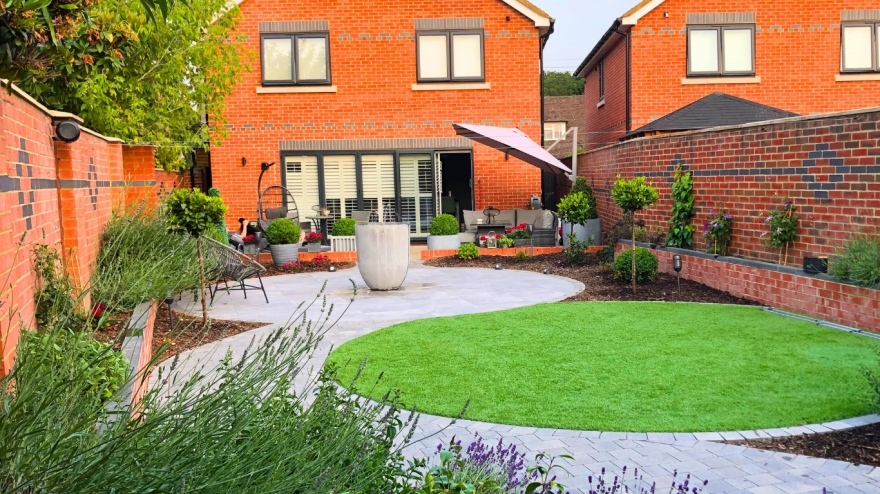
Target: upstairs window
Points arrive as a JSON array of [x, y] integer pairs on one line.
[[290, 59], [554, 131], [860, 47], [444, 56], [601, 80], [721, 50]]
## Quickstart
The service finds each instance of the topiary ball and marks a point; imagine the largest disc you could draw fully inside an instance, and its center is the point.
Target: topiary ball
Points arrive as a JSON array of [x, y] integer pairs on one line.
[[445, 224], [343, 227], [646, 266], [283, 232]]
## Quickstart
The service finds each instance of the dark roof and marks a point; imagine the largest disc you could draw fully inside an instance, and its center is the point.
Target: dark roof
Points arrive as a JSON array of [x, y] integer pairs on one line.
[[715, 110], [595, 51]]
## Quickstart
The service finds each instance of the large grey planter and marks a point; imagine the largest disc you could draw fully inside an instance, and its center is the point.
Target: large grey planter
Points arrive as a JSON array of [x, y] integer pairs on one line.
[[382, 254], [583, 232], [444, 242], [282, 254]]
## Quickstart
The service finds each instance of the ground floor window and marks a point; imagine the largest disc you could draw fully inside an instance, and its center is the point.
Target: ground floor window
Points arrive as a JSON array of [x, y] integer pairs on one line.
[[408, 186]]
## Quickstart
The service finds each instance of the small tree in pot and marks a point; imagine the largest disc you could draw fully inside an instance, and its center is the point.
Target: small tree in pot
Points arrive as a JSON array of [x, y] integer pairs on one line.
[[191, 211], [633, 195], [444, 233], [574, 209], [283, 236]]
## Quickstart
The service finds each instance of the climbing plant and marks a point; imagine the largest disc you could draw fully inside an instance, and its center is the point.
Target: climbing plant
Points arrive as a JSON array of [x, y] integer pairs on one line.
[[681, 231]]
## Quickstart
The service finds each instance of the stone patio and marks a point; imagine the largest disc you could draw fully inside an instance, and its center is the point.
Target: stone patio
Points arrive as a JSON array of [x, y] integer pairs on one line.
[[433, 292]]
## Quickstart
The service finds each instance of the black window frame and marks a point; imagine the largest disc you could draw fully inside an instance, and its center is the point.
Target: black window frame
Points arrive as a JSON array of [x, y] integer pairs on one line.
[[875, 56], [720, 28], [450, 55], [601, 69], [294, 53]]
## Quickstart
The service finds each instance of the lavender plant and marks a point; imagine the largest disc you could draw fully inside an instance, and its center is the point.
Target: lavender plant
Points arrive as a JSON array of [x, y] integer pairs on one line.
[[638, 485]]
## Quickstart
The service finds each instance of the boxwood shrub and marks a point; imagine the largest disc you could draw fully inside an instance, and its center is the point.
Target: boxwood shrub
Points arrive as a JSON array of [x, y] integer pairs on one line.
[[343, 227], [445, 224], [646, 266], [283, 232]]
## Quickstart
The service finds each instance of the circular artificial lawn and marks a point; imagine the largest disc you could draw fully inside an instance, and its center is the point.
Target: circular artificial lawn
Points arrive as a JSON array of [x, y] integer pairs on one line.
[[620, 366]]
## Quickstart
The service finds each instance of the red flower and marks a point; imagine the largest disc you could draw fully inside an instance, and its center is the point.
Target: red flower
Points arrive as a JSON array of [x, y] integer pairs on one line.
[[483, 238], [497, 235], [249, 239], [98, 309], [314, 237]]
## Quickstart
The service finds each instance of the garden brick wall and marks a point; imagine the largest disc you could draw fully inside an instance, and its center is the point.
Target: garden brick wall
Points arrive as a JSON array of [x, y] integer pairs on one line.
[[803, 294], [373, 65], [829, 165], [56, 194], [797, 58]]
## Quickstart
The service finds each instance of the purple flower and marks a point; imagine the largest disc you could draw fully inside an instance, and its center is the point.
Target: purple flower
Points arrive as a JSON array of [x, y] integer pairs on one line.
[[728, 217]]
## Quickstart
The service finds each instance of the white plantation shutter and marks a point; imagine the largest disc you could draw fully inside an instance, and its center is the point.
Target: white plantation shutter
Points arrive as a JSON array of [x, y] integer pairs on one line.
[[703, 50], [857, 48], [340, 186], [377, 172], [301, 179], [416, 191], [738, 50]]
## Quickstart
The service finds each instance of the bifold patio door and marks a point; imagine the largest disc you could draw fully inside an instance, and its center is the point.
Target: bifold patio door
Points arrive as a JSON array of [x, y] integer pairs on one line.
[[417, 204], [377, 175], [340, 186], [301, 179]]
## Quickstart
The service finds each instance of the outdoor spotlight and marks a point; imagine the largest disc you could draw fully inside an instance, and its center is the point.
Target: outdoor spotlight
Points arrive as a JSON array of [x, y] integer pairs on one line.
[[332, 269], [168, 301], [548, 271], [676, 263], [498, 267], [67, 131]]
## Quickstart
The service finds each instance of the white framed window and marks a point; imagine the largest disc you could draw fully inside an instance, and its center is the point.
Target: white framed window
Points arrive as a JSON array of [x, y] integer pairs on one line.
[[291, 59], [721, 50], [554, 131], [443, 56], [860, 47]]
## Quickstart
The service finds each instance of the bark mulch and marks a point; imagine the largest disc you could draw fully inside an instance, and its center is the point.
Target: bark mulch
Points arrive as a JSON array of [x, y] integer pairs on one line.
[[187, 333], [599, 280], [271, 270], [859, 445]]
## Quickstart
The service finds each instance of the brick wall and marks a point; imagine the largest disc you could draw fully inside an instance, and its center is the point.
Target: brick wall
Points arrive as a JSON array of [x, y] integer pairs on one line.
[[568, 109], [795, 292], [373, 66], [56, 194], [605, 123], [829, 165]]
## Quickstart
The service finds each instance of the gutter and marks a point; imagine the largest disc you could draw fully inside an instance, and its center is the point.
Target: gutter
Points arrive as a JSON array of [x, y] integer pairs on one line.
[[605, 37], [542, 41]]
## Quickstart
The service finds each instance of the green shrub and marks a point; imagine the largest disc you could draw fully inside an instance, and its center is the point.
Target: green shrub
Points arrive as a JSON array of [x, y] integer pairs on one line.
[[55, 298], [581, 185], [576, 252], [646, 266], [621, 230], [191, 211], [521, 256], [444, 224], [140, 260], [681, 231], [61, 356], [858, 262], [574, 208], [468, 252], [343, 227], [283, 232]]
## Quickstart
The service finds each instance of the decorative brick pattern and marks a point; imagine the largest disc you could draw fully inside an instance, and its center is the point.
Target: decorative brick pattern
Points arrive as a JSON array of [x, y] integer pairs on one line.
[[453, 23], [294, 27]]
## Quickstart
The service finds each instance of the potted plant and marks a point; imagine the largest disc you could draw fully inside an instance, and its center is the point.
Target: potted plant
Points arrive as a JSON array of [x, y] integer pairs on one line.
[[593, 225], [519, 234], [505, 241], [382, 254], [574, 210], [444, 233], [313, 241], [284, 237], [342, 235], [250, 244]]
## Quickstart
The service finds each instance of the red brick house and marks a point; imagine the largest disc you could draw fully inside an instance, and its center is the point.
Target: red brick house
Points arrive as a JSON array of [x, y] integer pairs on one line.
[[798, 56], [355, 101], [561, 113]]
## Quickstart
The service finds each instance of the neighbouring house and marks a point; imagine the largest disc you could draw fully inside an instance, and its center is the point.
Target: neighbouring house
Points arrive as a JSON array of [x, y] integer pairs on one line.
[[355, 101], [561, 113], [800, 56]]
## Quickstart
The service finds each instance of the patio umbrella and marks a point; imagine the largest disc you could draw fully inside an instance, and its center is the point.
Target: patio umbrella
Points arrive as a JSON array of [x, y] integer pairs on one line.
[[513, 142]]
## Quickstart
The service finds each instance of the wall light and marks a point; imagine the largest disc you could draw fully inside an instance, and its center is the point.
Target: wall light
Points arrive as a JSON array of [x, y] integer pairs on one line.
[[67, 131]]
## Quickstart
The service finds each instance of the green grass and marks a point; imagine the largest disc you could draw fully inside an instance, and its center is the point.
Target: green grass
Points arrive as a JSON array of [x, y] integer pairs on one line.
[[624, 366]]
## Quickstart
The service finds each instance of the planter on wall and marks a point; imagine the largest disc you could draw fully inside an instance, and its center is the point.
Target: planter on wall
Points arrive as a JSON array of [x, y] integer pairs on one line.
[[382, 254], [282, 254], [314, 246], [444, 242]]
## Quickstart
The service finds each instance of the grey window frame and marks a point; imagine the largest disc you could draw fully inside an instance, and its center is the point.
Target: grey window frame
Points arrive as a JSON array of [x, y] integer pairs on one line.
[[450, 56], [875, 25], [720, 28], [601, 68], [294, 60]]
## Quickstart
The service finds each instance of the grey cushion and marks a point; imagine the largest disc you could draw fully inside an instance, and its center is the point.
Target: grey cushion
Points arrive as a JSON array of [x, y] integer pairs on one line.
[[471, 217], [506, 217], [544, 220], [527, 216]]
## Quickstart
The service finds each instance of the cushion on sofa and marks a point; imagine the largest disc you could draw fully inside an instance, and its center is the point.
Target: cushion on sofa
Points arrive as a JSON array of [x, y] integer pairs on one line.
[[471, 217], [544, 220], [506, 218], [527, 216]]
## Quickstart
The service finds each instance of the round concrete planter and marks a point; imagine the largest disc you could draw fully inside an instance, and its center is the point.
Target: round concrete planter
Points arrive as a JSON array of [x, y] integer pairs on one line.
[[444, 242], [382, 254], [583, 232], [282, 254]]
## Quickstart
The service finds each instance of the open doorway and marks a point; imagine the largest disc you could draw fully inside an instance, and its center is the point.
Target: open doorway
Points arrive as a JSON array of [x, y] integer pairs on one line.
[[457, 183]]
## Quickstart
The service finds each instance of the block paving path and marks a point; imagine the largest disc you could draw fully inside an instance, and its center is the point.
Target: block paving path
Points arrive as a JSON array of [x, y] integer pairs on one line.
[[433, 292]]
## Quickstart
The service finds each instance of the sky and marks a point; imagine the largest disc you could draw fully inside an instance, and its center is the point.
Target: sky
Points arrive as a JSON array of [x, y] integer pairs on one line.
[[579, 25]]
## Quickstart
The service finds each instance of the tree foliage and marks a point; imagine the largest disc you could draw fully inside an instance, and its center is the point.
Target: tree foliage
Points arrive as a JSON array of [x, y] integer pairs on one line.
[[681, 231], [633, 195], [562, 84], [126, 72]]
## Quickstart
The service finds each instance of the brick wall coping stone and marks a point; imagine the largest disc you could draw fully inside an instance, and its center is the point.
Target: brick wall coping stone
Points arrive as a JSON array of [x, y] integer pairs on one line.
[[803, 118]]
